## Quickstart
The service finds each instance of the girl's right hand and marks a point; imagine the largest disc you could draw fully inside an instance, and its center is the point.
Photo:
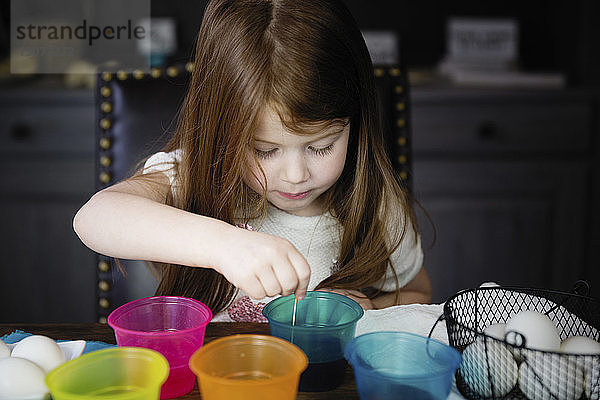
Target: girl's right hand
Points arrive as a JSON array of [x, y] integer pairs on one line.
[[263, 265]]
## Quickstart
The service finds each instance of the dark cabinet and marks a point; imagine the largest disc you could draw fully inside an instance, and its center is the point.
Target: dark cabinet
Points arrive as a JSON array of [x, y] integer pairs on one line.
[[505, 179], [46, 143]]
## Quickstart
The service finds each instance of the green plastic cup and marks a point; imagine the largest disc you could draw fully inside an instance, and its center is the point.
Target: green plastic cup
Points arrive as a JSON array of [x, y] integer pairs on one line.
[[119, 373], [325, 323]]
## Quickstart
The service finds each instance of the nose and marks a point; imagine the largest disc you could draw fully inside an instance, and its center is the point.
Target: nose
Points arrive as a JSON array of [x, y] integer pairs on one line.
[[295, 169]]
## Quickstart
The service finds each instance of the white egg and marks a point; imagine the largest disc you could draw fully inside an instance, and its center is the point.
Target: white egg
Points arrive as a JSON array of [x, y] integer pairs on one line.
[[547, 376], [496, 331], [21, 379], [503, 370], [580, 345], [592, 381], [585, 350], [588, 358], [42, 350], [4, 350], [536, 328], [489, 285]]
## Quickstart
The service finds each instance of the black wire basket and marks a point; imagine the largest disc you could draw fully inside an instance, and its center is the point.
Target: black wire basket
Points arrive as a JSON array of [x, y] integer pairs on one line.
[[495, 368]]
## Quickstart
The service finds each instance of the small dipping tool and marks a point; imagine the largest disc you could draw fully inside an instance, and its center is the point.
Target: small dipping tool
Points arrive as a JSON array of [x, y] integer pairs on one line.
[[324, 323]]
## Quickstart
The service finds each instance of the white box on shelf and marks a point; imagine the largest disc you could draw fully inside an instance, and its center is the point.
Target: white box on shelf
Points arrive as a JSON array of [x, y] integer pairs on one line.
[[482, 42]]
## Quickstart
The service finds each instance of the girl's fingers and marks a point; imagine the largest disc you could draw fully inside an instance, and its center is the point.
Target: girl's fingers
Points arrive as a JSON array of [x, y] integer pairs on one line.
[[254, 288], [288, 280], [302, 272], [269, 281], [280, 269]]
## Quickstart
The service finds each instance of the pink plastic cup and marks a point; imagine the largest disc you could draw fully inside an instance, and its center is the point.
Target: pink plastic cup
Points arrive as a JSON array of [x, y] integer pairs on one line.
[[173, 326]]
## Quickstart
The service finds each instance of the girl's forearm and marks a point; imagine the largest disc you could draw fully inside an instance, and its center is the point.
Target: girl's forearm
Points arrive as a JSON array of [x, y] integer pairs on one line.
[[128, 226], [418, 290]]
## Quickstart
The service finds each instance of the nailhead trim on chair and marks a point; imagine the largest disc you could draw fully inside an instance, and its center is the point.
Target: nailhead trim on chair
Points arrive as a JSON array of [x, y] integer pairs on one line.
[[400, 139], [104, 160]]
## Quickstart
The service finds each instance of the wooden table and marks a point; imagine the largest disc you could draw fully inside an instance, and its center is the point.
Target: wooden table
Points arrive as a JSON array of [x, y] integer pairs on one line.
[[214, 330]]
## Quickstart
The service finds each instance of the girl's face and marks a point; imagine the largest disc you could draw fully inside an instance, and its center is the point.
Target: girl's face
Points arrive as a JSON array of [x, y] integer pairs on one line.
[[298, 168]]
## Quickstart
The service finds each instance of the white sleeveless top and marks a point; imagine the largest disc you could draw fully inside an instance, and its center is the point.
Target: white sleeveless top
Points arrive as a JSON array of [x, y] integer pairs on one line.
[[317, 238]]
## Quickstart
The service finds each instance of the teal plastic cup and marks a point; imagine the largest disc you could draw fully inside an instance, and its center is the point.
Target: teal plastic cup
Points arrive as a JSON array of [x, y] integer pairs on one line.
[[325, 323], [401, 365]]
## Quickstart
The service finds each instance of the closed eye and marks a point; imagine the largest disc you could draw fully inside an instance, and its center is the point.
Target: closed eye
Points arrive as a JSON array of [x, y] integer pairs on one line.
[[323, 151], [264, 154]]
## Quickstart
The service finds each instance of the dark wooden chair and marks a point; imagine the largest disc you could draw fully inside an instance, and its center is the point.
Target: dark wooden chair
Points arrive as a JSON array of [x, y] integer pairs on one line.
[[135, 116]]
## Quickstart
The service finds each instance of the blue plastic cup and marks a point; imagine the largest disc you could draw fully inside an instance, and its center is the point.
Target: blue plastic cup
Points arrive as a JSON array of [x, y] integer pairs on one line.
[[325, 323], [402, 365]]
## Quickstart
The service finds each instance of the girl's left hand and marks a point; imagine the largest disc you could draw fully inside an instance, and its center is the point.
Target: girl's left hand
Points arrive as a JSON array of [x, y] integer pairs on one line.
[[355, 295]]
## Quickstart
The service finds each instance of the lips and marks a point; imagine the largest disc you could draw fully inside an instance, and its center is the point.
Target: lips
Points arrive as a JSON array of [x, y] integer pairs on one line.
[[295, 196]]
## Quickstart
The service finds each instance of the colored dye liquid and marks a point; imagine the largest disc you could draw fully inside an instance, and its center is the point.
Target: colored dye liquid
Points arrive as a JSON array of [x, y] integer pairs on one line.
[[248, 376], [179, 382], [114, 390], [319, 377], [412, 393]]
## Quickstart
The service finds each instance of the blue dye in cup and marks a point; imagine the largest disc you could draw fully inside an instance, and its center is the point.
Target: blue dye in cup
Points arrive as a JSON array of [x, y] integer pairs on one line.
[[401, 365]]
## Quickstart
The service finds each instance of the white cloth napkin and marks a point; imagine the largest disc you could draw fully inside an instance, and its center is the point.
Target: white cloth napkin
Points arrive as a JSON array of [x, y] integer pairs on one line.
[[414, 318]]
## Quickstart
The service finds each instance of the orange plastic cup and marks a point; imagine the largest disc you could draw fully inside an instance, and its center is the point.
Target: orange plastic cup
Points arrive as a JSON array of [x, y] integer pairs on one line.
[[248, 366]]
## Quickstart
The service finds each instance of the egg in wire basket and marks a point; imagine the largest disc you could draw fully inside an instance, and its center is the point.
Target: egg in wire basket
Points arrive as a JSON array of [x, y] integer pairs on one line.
[[488, 370]]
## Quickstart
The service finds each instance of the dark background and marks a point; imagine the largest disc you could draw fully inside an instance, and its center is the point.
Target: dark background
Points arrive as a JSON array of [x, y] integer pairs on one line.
[[520, 209], [554, 36]]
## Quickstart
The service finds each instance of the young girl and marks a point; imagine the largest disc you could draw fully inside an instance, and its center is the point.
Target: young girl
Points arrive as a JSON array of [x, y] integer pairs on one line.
[[276, 180]]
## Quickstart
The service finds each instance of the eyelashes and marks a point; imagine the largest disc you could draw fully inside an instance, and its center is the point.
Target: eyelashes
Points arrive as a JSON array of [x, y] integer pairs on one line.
[[324, 151], [321, 152], [265, 154]]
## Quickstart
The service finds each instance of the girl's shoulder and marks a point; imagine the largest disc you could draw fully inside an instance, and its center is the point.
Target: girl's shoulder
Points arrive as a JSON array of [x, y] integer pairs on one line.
[[165, 162], [157, 160]]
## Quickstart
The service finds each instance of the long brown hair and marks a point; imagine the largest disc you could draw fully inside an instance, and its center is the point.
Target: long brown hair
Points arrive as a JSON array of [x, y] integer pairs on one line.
[[307, 60]]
